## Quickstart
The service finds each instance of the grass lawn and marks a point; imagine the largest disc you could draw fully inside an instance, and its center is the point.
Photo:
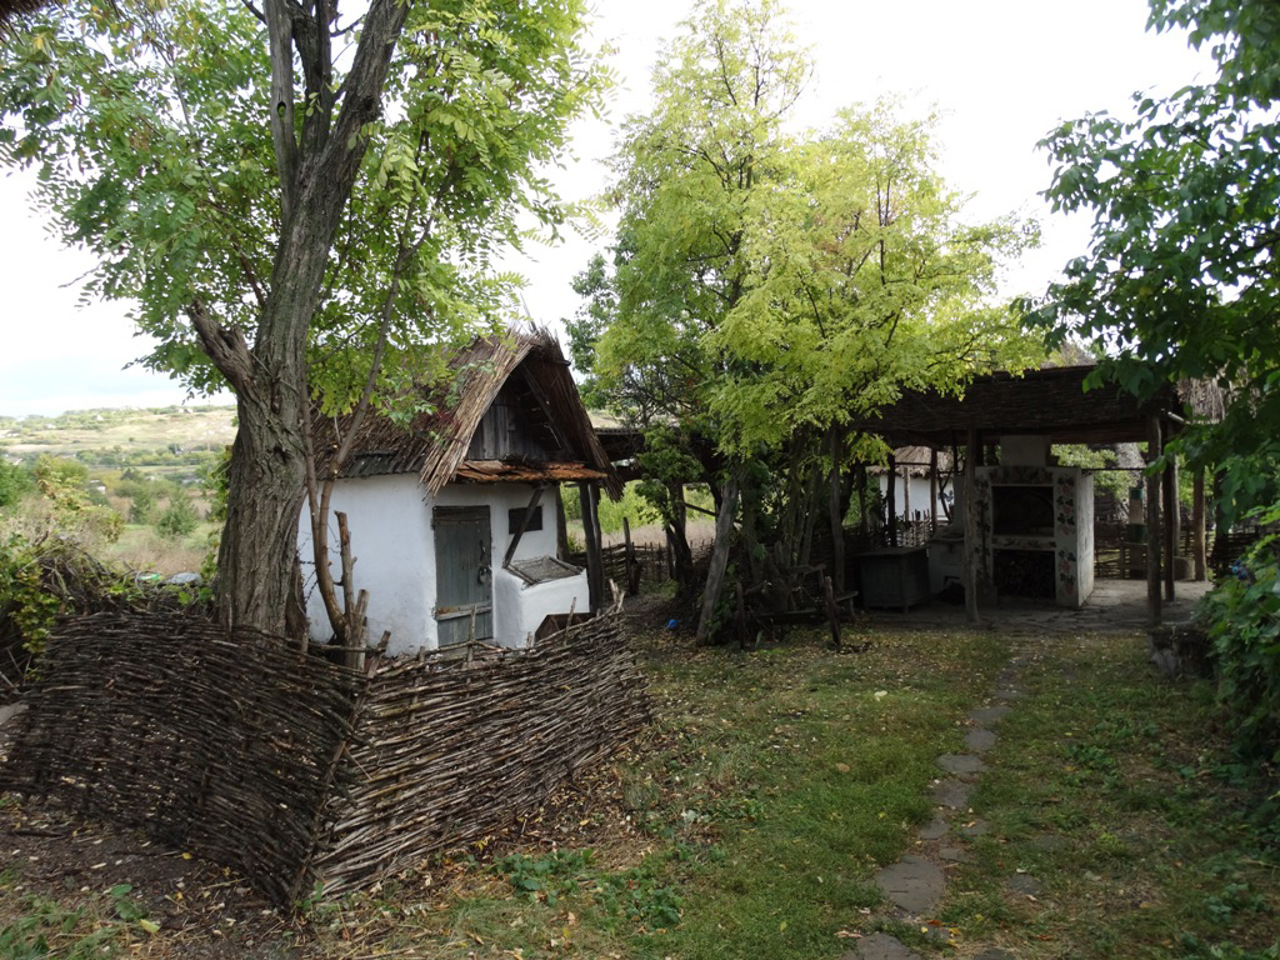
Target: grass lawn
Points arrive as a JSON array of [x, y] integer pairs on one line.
[[1113, 788], [749, 821]]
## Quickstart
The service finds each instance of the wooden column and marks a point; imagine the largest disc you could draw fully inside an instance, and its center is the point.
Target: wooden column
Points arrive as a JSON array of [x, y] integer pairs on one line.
[[933, 490], [1197, 525], [1154, 525], [891, 502], [1169, 508], [864, 521], [971, 543], [562, 527], [633, 567], [591, 534], [906, 493]]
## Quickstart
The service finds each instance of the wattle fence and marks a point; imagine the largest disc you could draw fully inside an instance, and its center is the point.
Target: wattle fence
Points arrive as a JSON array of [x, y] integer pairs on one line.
[[301, 773]]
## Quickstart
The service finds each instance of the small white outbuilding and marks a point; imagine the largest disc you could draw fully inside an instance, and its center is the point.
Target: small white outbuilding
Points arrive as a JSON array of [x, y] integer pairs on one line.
[[453, 517]]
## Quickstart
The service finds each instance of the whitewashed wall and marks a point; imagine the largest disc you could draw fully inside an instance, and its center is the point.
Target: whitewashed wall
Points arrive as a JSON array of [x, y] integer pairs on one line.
[[395, 561], [918, 493], [391, 539]]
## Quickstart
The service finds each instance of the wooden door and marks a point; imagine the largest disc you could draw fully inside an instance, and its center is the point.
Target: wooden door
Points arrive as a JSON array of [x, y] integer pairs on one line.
[[464, 574]]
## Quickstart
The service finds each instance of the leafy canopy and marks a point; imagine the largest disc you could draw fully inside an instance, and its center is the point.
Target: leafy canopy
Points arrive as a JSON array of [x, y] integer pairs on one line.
[[148, 125], [768, 282], [1181, 274]]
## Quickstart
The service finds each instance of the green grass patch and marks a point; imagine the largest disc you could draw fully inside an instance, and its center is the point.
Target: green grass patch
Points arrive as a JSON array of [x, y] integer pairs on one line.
[[771, 788], [103, 924], [1109, 787]]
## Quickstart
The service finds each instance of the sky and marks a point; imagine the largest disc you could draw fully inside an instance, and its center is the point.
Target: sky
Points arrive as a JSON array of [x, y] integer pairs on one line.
[[1001, 73]]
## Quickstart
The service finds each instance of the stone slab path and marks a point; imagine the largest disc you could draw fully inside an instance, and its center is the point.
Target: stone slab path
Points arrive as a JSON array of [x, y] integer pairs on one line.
[[914, 886]]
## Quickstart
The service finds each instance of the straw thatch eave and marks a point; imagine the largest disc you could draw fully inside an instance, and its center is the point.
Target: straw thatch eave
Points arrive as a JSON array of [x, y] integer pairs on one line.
[[10, 10], [435, 444], [1052, 402]]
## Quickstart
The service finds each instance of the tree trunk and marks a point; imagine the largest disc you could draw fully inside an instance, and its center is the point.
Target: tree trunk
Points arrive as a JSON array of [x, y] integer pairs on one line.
[[260, 537], [267, 475], [719, 555], [837, 514], [681, 552]]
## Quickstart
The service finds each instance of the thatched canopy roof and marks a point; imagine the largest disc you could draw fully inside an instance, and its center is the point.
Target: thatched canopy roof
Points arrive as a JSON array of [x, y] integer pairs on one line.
[[1052, 402], [915, 461], [10, 9], [437, 443]]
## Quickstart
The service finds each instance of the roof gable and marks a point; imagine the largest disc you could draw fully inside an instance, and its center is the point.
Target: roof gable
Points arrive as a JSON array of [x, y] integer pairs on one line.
[[516, 381]]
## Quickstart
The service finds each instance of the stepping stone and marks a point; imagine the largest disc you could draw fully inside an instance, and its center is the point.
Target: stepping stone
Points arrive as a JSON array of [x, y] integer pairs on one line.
[[955, 855], [912, 884], [979, 741], [952, 793], [961, 764], [880, 946], [935, 829], [995, 953], [1049, 843], [1025, 885], [989, 715], [937, 933], [10, 710], [1009, 693], [976, 828]]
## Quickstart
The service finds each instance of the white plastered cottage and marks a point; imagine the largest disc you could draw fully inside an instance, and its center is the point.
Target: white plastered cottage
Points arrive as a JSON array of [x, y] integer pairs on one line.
[[453, 518]]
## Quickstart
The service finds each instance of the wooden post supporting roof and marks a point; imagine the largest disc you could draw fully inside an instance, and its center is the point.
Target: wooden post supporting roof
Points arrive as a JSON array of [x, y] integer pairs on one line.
[[891, 503], [1169, 509], [1197, 524], [933, 490], [591, 534], [1153, 524], [971, 545]]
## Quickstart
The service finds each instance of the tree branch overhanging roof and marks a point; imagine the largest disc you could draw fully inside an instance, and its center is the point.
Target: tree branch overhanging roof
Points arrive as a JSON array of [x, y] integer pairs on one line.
[[435, 443]]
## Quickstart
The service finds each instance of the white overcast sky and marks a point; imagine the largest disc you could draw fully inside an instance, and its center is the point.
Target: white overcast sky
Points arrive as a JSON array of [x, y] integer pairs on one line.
[[1002, 73]]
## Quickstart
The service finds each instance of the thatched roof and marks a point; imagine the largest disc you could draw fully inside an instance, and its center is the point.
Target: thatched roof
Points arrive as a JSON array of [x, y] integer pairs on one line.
[[12, 9], [914, 460], [435, 445], [1052, 402]]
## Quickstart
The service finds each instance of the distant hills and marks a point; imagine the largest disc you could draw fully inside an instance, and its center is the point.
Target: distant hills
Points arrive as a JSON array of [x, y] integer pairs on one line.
[[166, 438]]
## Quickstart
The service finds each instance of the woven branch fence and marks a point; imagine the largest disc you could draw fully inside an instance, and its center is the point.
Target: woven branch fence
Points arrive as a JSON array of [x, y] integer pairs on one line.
[[630, 567], [297, 772]]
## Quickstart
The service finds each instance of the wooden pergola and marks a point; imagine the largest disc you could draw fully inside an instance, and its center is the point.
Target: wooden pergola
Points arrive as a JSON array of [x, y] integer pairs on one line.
[[1053, 403]]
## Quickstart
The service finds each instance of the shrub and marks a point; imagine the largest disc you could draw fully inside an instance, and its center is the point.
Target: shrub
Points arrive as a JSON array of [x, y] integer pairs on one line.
[[15, 483], [1244, 624], [179, 519], [637, 510], [141, 506], [44, 579]]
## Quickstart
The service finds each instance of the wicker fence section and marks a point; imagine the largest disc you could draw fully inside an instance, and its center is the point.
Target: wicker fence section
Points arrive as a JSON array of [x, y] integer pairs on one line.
[[219, 745], [451, 750], [295, 771]]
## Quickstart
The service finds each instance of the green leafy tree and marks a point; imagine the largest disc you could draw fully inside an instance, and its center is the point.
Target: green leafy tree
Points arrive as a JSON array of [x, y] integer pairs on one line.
[[15, 483], [1180, 277], [298, 202], [768, 286], [179, 519], [1181, 280]]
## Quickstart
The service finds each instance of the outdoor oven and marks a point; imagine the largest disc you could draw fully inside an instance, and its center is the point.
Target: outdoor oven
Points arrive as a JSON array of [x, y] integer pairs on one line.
[[1035, 525]]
